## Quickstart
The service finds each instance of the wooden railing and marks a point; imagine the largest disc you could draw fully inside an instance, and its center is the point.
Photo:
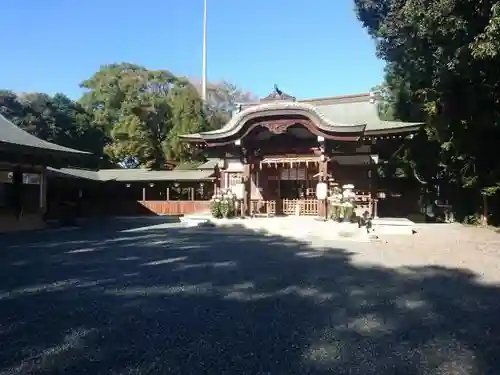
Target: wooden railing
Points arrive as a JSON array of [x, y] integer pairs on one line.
[[176, 207], [308, 207], [305, 207], [363, 203], [263, 208]]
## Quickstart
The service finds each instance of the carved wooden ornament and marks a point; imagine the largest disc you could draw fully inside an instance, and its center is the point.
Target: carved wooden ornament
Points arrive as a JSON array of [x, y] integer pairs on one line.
[[277, 127]]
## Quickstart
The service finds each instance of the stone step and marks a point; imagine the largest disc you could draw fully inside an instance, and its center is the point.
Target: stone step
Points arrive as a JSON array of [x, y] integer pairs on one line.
[[196, 219], [393, 226]]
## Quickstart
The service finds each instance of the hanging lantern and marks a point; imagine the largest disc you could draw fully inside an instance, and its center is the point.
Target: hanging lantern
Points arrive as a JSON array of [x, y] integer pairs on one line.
[[239, 190], [321, 190]]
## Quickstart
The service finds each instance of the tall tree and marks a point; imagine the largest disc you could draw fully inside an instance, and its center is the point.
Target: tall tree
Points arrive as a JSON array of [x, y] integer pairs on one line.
[[75, 126], [442, 66], [189, 116], [56, 119], [11, 107], [144, 112], [132, 104]]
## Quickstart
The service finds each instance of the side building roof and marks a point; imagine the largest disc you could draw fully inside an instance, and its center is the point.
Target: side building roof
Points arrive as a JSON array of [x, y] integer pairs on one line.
[[132, 175], [14, 138]]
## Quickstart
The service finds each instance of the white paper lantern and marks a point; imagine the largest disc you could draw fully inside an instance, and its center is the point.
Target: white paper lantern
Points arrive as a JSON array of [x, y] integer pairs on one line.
[[239, 190], [321, 190]]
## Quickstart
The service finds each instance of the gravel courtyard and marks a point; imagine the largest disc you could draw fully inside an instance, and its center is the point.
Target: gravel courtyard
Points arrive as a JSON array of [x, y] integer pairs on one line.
[[106, 299]]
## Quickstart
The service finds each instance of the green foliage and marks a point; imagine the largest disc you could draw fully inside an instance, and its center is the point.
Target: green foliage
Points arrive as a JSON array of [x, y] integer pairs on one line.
[[224, 205], [491, 190], [472, 219], [341, 205], [145, 111], [127, 112], [56, 119], [188, 165], [188, 116], [442, 67], [216, 209], [132, 105]]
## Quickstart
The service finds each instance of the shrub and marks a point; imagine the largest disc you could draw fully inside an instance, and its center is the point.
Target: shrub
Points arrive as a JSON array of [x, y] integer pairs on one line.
[[224, 205]]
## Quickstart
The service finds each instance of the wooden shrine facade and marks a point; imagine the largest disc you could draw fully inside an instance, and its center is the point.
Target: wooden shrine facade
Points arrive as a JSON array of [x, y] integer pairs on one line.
[[24, 159], [281, 148], [285, 182]]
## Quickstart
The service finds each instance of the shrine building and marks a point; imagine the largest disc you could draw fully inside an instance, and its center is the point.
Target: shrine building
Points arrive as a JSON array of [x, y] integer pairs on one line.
[[281, 148], [24, 160]]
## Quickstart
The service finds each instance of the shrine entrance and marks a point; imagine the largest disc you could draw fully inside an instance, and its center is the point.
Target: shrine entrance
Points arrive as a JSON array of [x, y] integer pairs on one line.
[[286, 186]]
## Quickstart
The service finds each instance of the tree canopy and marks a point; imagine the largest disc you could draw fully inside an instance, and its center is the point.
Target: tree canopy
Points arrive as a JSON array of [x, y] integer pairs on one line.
[[128, 114], [55, 118], [442, 67]]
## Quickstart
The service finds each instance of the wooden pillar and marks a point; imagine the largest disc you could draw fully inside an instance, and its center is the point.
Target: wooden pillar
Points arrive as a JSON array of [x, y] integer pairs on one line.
[[370, 189], [43, 191], [247, 180], [372, 174], [375, 208], [217, 180], [17, 180], [323, 177], [144, 193]]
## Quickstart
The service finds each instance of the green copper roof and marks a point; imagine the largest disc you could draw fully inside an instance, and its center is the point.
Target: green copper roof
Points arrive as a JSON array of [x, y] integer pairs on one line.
[[361, 109], [342, 114], [11, 134]]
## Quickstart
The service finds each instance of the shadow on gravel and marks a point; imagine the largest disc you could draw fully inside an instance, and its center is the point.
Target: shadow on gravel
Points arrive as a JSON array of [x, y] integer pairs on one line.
[[99, 300]]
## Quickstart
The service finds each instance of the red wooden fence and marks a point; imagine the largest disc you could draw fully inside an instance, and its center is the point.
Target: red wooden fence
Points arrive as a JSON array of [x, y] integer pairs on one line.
[[176, 207]]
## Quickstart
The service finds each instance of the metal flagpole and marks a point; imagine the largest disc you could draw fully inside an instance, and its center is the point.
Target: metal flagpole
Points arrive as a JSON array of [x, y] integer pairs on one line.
[[204, 73]]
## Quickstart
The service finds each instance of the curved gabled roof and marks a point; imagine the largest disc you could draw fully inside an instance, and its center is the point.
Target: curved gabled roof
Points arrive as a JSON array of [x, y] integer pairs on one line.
[[282, 108], [341, 114]]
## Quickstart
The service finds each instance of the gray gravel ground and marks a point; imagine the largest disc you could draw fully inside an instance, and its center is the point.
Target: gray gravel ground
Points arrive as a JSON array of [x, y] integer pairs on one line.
[[169, 300]]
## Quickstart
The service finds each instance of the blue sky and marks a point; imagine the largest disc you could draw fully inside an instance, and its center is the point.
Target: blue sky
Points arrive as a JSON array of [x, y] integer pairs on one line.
[[309, 48]]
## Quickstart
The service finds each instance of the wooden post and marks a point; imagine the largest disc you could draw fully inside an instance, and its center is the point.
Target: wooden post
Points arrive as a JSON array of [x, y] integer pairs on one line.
[[247, 173], [484, 216], [217, 180], [144, 193], [370, 191], [374, 191], [43, 191], [191, 193], [167, 196], [17, 181], [372, 175], [323, 177]]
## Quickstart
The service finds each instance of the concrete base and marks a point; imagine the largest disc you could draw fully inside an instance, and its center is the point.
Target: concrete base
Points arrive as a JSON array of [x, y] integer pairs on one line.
[[393, 226], [309, 228], [301, 228], [196, 219]]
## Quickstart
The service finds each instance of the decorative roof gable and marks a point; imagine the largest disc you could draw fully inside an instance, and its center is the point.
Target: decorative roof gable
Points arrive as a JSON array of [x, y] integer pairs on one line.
[[277, 95]]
